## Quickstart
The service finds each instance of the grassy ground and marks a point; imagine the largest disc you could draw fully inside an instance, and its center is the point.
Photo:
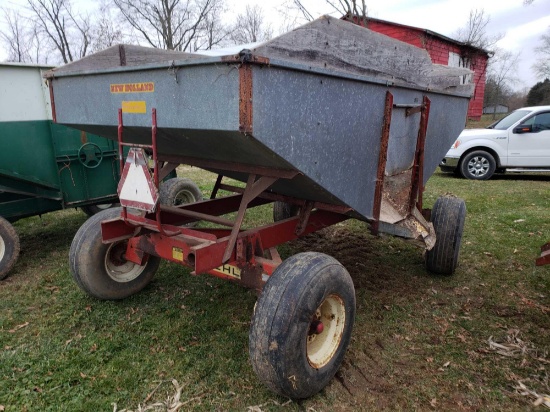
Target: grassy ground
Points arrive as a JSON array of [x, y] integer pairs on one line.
[[420, 341]]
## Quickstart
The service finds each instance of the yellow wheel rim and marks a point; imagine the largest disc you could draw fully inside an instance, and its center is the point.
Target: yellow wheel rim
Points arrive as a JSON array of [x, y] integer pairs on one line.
[[325, 332]]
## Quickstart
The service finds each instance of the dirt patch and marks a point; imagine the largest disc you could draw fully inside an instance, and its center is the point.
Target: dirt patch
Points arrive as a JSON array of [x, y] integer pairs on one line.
[[379, 265]]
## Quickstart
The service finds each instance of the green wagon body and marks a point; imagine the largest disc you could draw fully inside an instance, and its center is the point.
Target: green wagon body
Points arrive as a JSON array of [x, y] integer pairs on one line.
[[46, 166]]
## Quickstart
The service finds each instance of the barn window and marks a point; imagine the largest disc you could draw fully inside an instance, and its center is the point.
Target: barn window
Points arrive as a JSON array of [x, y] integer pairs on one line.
[[456, 60]]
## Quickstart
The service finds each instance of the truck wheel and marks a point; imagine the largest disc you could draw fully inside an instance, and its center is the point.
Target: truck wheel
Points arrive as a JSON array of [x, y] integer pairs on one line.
[[178, 191], [101, 269], [282, 211], [302, 325], [478, 165], [9, 247], [448, 216], [91, 210]]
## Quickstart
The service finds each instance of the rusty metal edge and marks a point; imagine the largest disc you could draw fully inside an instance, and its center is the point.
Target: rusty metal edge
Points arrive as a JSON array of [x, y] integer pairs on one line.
[[52, 99], [382, 159], [253, 59], [417, 185], [245, 98]]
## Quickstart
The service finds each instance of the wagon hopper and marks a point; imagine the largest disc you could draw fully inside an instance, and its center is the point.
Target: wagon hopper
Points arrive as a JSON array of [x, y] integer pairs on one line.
[[329, 121]]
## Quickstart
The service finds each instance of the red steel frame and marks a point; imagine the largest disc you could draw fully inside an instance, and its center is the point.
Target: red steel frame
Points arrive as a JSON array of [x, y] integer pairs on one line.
[[243, 256], [248, 256]]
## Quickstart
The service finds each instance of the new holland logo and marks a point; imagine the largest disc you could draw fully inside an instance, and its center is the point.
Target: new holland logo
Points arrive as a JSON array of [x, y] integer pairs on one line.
[[147, 87]]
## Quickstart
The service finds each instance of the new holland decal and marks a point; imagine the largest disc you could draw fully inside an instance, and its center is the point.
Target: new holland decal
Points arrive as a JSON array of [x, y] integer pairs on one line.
[[146, 87]]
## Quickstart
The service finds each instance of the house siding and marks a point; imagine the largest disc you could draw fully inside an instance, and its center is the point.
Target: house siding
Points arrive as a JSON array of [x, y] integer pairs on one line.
[[439, 49]]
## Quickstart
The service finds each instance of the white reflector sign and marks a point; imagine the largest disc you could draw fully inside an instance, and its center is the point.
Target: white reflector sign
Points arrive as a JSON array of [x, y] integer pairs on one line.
[[136, 188]]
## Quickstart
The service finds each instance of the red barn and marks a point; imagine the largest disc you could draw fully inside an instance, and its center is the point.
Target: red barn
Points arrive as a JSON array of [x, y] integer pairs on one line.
[[442, 50]]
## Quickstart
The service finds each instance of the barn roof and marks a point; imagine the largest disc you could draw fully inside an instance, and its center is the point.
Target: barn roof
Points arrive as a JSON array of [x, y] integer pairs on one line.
[[425, 31]]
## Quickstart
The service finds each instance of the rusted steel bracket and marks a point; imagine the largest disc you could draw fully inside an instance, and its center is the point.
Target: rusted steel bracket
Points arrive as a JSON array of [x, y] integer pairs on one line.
[[253, 189], [305, 213], [216, 187], [410, 109], [245, 98], [292, 200], [417, 185], [382, 159], [246, 56], [52, 100], [166, 169]]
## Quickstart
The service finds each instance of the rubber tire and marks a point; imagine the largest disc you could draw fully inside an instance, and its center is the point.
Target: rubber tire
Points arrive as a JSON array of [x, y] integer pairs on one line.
[[91, 210], [464, 165], [170, 189], [87, 262], [283, 210], [448, 217], [281, 321], [11, 247]]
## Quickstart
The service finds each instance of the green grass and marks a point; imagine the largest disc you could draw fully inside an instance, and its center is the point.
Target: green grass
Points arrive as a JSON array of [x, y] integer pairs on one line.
[[64, 351]]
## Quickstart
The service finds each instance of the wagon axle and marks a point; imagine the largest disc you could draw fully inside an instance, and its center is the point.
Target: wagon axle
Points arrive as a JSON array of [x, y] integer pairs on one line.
[[316, 327]]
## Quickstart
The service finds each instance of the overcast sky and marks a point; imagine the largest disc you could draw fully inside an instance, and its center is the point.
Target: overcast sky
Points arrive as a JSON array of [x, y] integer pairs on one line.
[[522, 25]]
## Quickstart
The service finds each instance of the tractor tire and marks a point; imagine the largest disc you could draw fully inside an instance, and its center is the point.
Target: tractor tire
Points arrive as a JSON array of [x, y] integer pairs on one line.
[[282, 211], [178, 191], [9, 247], [100, 269], [302, 325], [448, 217]]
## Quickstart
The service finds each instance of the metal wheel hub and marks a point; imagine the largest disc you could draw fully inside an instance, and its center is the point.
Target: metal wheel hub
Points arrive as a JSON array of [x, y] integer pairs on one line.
[[325, 331], [183, 197], [117, 267], [104, 206], [478, 166]]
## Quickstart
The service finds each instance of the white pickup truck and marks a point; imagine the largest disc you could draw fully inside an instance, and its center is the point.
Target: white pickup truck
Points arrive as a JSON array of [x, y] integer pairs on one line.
[[519, 142]]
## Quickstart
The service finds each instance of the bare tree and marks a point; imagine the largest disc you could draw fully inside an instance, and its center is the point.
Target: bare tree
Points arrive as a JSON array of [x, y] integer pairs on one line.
[[168, 24], [501, 75], [349, 8], [16, 37], [542, 65], [251, 27], [214, 32], [69, 32], [474, 32], [105, 33], [297, 4]]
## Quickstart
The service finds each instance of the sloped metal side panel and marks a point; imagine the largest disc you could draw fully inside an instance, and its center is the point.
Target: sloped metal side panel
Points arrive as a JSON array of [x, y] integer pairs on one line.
[[196, 97], [447, 120], [329, 129]]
